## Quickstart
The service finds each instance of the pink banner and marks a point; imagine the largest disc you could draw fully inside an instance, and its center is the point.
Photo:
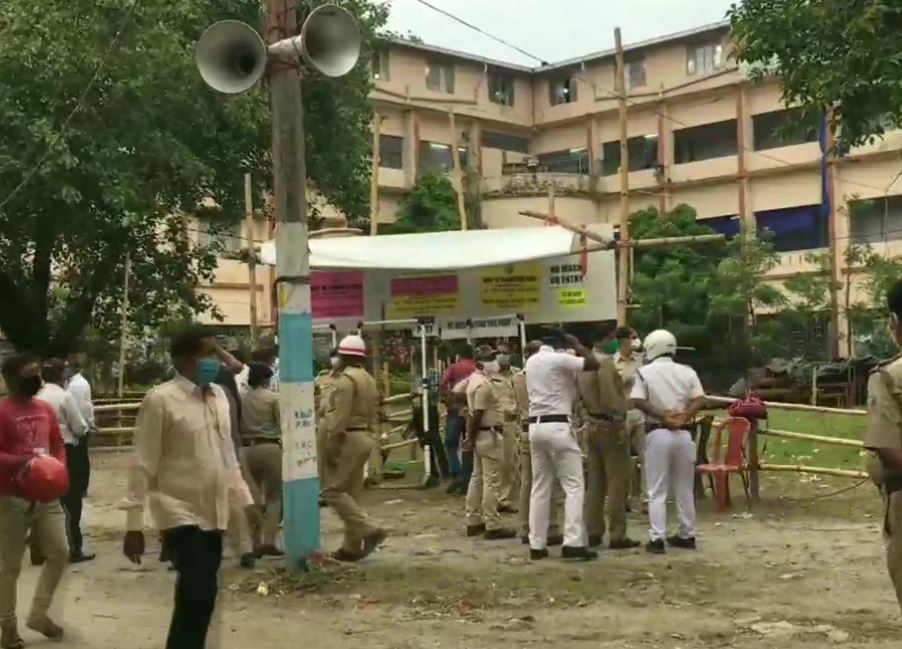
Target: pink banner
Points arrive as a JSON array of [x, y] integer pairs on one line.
[[423, 286], [337, 294]]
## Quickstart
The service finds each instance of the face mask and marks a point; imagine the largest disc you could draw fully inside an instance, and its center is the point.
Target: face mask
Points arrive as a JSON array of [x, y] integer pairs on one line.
[[29, 385], [636, 344], [206, 372], [490, 367], [611, 347], [334, 361]]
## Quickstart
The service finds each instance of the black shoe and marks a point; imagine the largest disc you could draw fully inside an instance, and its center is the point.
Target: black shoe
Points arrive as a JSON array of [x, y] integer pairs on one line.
[[476, 530], [457, 488], [676, 541], [537, 555], [594, 540], [582, 554], [524, 539], [81, 557], [506, 509], [248, 561], [372, 542], [499, 534], [432, 482], [655, 547], [269, 551], [553, 541], [345, 556], [624, 544]]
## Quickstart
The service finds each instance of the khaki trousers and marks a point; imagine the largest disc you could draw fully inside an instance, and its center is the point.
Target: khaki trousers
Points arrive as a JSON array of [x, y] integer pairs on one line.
[[48, 526], [509, 489], [374, 466], [557, 493], [635, 429], [264, 462], [485, 483], [893, 538], [608, 462], [343, 487]]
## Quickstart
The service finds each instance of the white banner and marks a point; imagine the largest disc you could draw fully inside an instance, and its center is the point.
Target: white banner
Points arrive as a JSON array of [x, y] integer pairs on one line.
[[501, 327]]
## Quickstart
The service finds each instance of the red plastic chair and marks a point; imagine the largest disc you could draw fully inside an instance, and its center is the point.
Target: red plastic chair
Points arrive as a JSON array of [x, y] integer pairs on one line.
[[736, 461]]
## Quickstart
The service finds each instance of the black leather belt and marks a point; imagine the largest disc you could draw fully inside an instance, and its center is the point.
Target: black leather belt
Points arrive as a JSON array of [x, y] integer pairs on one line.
[[610, 418], [357, 429], [892, 484], [550, 419], [494, 429], [257, 441]]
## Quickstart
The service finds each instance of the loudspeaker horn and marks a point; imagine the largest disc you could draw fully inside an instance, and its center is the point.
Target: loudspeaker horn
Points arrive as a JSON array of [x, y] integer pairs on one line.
[[329, 41], [231, 57]]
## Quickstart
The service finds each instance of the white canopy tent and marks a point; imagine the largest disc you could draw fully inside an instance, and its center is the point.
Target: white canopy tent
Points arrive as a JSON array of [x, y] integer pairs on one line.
[[436, 251]]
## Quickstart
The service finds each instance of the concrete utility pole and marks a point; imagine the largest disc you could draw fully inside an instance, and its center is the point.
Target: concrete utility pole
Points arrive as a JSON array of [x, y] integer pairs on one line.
[[624, 255], [374, 180], [252, 258], [301, 481]]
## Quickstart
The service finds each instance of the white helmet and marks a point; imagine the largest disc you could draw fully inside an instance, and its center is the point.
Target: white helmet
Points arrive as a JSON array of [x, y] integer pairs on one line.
[[352, 346], [658, 343]]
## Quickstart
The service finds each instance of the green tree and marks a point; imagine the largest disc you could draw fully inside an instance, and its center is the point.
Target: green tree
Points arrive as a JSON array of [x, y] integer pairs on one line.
[[430, 207], [843, 54], [110, 138]]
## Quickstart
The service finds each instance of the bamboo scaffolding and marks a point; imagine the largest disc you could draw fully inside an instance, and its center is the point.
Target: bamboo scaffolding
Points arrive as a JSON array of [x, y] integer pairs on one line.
[[818, 470]]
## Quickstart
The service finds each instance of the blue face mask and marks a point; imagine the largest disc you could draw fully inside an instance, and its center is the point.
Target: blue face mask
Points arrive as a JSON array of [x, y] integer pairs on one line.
[[206, 372]]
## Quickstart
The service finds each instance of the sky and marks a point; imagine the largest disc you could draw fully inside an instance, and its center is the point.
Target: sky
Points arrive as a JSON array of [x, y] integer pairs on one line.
[[554, 30]]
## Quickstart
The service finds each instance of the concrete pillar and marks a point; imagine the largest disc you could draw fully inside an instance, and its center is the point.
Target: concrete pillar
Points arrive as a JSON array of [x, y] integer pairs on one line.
[[411, 151]]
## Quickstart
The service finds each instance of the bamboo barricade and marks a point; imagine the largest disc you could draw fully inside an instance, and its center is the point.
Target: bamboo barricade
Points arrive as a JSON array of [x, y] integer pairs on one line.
[[756, 466]]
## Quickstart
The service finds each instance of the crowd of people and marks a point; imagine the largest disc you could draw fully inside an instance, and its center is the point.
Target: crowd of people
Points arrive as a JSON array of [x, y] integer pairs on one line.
[[552, 441]]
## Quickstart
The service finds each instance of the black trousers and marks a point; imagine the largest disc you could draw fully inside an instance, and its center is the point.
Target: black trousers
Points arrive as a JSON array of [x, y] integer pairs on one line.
[[196, 556], [79, 466]]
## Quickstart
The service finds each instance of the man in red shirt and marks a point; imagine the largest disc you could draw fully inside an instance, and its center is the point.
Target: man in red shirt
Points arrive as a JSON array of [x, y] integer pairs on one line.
[[460, 462], [28, 427]]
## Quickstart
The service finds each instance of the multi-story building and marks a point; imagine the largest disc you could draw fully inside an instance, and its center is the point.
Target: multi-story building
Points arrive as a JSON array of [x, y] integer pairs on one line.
[[700, 132]]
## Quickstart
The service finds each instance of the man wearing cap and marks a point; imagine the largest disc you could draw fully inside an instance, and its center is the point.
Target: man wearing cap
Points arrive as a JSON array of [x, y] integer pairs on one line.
[[628, 360], [607, 452], [322, 394], [485, 430], [551, 384], [351, 419], [502, 382], [670, 394], [557, 495]]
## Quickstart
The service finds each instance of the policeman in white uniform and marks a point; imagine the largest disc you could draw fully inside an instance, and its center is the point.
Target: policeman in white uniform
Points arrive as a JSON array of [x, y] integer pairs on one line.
[[670, 394], [551, 384]]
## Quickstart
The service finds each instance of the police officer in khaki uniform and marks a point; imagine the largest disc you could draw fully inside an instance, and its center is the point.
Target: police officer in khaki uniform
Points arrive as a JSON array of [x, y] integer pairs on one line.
[[351, 419], [555, 536], [628, 360], [884, 438], [485, 430], [510, 470], [323, 386], [608, 454]]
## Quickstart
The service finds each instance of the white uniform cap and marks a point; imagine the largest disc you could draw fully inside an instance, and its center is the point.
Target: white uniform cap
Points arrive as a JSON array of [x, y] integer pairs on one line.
[[659, 343], [352, 346]]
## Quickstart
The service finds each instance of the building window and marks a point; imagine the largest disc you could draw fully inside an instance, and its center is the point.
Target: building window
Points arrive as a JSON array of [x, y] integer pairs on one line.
[[505, 142], [876, 220], [795, 228], [223, 239], [379, 65], [569, 161], [391, 152], [562, 90], [704, 58], [501, 88], [440, 76], [643, 153], [781, 128], [437, 157], [705, 142], [635, 73], [729, 226]]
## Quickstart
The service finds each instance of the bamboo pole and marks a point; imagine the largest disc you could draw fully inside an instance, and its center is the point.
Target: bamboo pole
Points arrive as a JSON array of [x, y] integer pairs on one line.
[[374, 179], [818, 470], [551, 210], [839, 441], [799, 407], [252, 255], [458, 173], [623, 260]]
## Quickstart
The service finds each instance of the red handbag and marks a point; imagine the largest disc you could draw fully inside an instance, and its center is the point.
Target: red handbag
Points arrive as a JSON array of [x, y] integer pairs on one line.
[[751, 408]]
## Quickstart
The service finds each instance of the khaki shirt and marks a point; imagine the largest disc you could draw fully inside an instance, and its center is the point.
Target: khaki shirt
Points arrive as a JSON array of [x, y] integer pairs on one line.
[[884, 428], [482, 395], [323, 386], [627, 368], [184, 459], [260, 414], [602, 391], [504, 388], [521, 394], [353, 403]]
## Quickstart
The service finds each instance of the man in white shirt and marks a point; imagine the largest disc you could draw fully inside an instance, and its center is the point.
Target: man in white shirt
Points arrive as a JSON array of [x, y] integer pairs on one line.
[[74, 430], [670, 395], [551, 384]]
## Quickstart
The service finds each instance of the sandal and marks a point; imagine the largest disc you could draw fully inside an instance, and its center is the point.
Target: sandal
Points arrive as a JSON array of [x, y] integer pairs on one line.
[[10, 638]]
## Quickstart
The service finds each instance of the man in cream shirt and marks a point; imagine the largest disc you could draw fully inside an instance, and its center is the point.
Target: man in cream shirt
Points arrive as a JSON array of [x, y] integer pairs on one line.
[[186, 464]]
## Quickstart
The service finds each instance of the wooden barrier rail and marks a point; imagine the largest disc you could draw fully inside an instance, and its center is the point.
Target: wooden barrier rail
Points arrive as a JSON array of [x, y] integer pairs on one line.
[[818, 470], [797, 407]]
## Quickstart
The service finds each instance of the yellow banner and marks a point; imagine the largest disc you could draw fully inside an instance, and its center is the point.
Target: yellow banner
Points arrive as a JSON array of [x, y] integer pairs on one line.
[[511, 288], [572, 298]]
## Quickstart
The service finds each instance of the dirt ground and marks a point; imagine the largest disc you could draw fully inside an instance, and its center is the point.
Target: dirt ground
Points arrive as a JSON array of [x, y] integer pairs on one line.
[[796, 574]]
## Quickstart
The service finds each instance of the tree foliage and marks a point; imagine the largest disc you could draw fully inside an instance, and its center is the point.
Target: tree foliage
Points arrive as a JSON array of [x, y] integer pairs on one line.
[[430, 207], [110, 137], [842, 54]]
